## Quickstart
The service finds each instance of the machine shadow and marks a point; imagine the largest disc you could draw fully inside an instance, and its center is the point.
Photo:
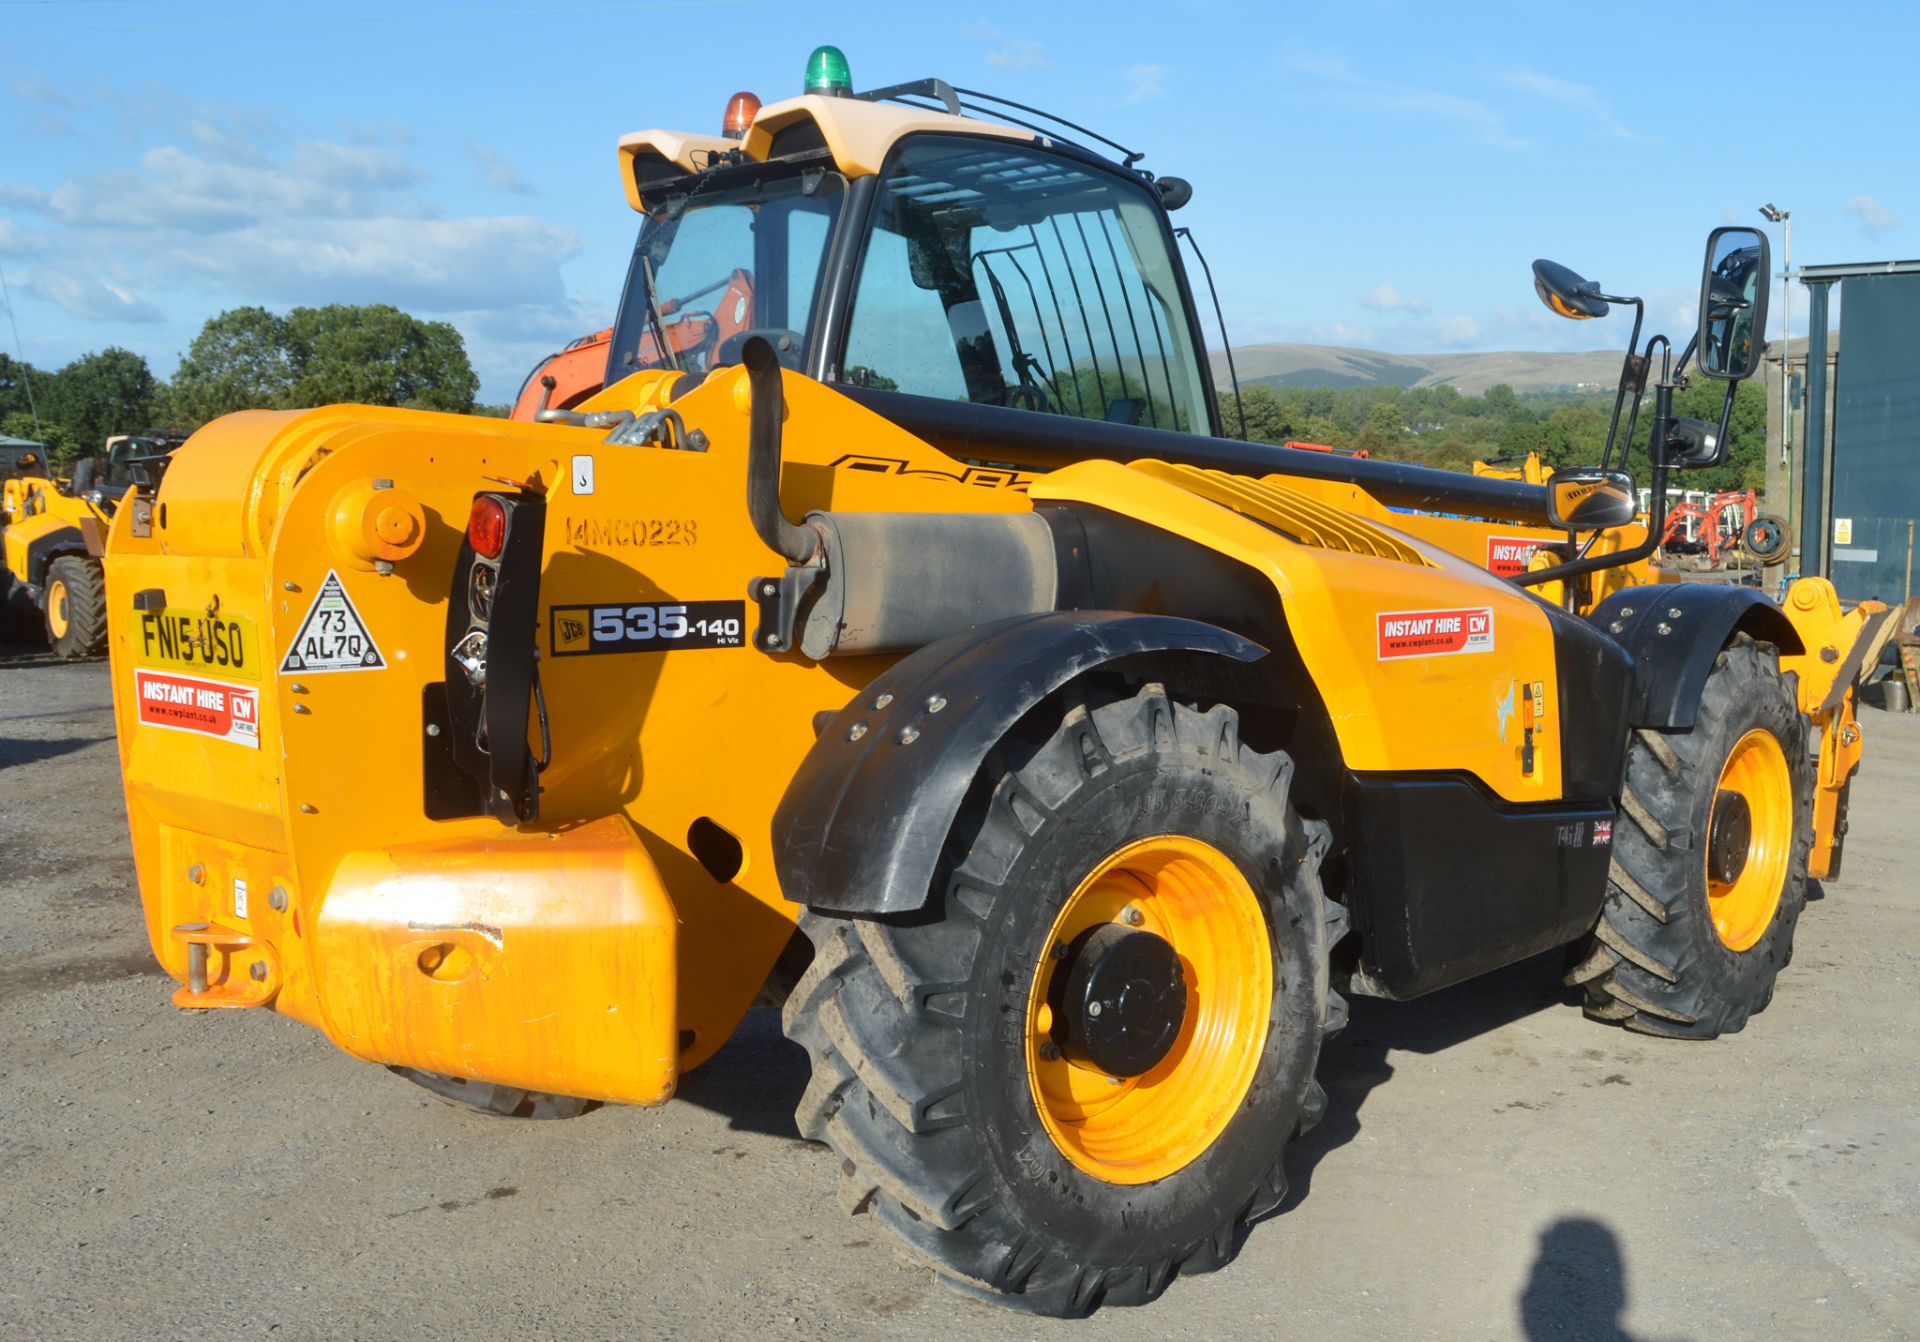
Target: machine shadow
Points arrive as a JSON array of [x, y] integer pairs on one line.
[[1355, 1061], [755, 1081]]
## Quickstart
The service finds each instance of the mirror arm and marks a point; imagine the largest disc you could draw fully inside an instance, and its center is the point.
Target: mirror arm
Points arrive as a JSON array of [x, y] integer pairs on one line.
[[1620, 395], [1693, 344], [1656, 508]]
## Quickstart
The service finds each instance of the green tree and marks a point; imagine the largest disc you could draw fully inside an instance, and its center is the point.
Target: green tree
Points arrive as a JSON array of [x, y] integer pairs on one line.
[[377, 355], [238, 362], [19, 383], [98, 395], [61, 445], [1267, 418]]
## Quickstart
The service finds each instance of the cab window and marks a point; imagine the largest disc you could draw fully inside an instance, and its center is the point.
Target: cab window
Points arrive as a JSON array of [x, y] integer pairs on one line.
[[1006, 275]]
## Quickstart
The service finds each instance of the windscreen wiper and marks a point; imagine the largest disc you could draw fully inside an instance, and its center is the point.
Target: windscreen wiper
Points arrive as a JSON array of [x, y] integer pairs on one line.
[[653, 314]]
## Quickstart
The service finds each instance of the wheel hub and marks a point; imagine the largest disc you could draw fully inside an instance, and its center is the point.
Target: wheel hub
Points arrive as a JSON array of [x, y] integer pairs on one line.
[[1123, 1000], [1729, 837]]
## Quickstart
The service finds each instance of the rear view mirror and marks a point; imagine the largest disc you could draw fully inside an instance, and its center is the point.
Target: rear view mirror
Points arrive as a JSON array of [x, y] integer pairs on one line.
[[1733, 303], [1584, 499]]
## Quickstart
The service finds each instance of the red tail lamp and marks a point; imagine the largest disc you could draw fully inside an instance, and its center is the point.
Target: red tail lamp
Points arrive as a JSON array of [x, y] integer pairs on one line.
[[487, 526], [742, 108]]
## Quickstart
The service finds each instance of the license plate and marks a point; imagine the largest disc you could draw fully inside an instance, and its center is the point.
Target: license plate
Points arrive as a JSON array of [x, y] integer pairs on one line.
[[185, 639]]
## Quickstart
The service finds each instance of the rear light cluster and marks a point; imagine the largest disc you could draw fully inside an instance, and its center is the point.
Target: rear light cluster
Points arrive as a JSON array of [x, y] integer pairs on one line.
[[487, 526]]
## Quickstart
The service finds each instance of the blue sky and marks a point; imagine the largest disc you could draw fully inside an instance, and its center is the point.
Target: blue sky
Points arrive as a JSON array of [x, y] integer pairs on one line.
[[1366, 173]]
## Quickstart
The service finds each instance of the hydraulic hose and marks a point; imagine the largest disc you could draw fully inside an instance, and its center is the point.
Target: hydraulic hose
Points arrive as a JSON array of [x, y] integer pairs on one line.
[[770, 522]]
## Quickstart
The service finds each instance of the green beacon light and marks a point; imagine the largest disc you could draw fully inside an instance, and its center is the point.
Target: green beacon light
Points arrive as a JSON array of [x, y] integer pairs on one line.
[[827, 73]]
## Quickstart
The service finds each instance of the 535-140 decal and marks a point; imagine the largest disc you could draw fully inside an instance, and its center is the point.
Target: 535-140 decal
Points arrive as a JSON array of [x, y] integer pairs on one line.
[[648, 626]]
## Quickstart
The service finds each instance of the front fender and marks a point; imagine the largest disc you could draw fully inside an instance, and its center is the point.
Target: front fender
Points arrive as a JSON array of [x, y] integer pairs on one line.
[[1674, 631], [864, 821]]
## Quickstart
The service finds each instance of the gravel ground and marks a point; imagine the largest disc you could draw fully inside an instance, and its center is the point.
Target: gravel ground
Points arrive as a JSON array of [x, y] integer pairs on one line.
[[1492, 1166]]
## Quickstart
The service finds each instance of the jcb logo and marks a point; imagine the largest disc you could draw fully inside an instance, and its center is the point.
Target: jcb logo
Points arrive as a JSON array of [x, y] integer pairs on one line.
[[570, 633]]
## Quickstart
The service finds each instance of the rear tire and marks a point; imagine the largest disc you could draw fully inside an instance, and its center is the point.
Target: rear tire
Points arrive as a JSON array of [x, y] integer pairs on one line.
[[76, 608], [484, 1097], [929, 1078], [1677, 952]]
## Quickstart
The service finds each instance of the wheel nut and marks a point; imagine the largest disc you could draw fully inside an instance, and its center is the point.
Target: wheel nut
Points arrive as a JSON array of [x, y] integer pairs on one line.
[[1131, 916], [1094, 1008], [1050, 1051]]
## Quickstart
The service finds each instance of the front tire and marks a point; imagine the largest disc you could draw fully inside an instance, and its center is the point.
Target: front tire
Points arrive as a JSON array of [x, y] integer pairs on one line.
[[76, 609], [970, 1095], [1710, 860]]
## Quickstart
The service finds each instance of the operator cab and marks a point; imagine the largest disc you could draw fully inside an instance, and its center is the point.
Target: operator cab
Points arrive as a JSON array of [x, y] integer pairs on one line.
[[892, 242]]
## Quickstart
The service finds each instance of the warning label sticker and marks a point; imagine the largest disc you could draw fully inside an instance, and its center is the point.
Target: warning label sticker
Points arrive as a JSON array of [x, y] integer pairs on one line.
[[1435, 633], [1507, 556], [333, 637], [213, 708]]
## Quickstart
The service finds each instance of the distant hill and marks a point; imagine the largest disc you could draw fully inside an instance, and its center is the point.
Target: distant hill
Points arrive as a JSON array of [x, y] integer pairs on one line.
[[1335, 366]]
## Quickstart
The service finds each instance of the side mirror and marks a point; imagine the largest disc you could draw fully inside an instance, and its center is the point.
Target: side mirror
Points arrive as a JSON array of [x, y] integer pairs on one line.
[[1566, 293], [1582, 498], [1733, 303]]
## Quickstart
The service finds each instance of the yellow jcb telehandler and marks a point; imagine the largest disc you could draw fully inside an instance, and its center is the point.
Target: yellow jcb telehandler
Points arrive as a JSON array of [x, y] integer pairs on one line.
[[922, 654]]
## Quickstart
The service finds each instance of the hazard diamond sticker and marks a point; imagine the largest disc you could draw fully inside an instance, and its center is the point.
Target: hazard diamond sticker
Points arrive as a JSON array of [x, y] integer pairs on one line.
[[333, 637], [1435, 633]]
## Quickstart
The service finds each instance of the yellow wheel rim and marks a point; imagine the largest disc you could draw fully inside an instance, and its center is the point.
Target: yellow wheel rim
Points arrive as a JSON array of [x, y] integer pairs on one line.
[[57, 618], [1743, 906], [1135, 1130]]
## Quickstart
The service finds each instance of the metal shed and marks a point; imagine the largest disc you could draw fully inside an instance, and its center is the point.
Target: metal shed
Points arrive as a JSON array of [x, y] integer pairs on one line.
[[1861, 467]]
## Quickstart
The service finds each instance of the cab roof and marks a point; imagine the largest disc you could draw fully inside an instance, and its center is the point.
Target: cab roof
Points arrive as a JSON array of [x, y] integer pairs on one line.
[[856, 131]]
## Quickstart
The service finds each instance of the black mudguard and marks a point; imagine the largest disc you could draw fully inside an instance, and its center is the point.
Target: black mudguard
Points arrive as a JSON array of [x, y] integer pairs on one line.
[[862, 826], [1674, 631], [43, 550]]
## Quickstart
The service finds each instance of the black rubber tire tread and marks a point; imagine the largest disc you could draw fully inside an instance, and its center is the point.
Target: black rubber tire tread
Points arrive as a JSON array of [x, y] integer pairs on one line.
[[890, 1009], [1654, 962], [484, 1097], [86, 584]]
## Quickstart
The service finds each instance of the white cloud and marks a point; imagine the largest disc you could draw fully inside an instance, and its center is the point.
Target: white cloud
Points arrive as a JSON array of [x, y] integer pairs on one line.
[[439, 265], [1581, 97], [1019, 53], [95, 300], [1874, 217], [17, 241], [498, 172], [1456, 330], [1343, 333], [1145, 83], [34, 89], [1383, 297], [1338, 81], [23, 198]]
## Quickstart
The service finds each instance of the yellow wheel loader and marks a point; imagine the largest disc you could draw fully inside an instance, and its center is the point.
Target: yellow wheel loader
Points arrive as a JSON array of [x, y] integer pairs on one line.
[[922, 654], [52, 531]]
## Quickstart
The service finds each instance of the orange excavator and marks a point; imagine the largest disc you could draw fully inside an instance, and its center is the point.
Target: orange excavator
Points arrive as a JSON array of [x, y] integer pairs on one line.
[[685, 333]]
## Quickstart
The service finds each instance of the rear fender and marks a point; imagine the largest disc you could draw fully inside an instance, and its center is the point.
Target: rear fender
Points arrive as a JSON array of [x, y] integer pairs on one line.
[[1675, 631], [863, 825]]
